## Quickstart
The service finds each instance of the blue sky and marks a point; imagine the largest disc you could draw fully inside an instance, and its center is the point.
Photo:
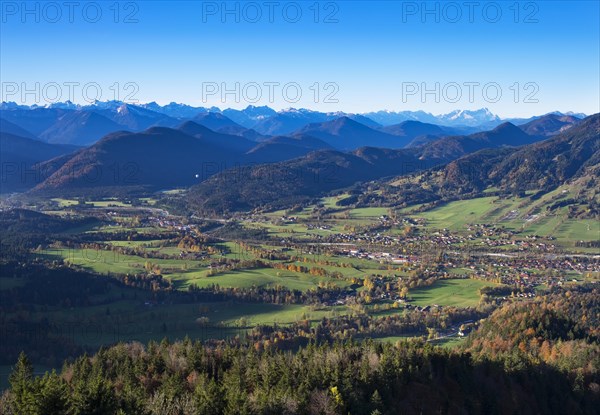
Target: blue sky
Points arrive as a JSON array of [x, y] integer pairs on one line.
[[352, 56]]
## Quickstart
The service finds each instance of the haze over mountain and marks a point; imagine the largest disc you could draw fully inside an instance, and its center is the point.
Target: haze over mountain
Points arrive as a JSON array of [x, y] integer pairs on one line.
[[452, 147], [418, 133], [203, 146], [297, 180], [28, 149], [137, 118], [10, 128], [36, 120], [156, 158], [254, 122], [248, 133], [163, 157], [79, 128], [414, 129], [541, 166], [284, 148], [215, 121], [549, 124], [231, 142], [346, 134], [249, 116], [288, 121], [20, 155], [355, 117]]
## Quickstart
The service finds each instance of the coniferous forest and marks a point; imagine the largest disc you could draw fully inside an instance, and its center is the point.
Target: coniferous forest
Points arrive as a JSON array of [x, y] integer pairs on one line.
[[541, 357]]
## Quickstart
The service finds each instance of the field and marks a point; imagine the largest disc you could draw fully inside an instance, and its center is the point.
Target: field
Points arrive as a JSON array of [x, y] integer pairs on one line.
[[451, 292], [130, 320], [317, 239], [517, 214], [260, 277], [61, 202], [128, 314], [184, 273], [104, 262]]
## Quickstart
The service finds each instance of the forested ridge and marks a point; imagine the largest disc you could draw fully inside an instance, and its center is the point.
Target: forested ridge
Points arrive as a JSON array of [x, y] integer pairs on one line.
[[535, 357]]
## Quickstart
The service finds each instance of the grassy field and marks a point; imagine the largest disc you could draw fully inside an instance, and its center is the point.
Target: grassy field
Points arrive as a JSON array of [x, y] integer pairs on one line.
[[337, 219], [517, 214], [456, 215], [451, 292], [247, 278], [104, 262], [448, 342], [184, 273], [98, 203], [101, 203], [133, 320], [371, 212]]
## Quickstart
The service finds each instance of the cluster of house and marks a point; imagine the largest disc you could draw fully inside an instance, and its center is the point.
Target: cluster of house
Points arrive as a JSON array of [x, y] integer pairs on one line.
[[377, 256], [171, 223]]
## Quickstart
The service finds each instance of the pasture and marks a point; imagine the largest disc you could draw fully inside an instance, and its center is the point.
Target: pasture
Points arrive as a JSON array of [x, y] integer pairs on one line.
[[449, 292]]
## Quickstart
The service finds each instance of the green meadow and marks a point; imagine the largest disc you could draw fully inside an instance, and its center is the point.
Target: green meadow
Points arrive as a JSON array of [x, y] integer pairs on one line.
[[449, 292], [517, 214]]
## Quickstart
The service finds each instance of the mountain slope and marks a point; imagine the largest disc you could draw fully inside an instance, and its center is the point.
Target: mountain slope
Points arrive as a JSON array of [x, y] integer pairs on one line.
[[450, 148], [497, 163], [248, 133], [288, 121], [541, 166], [231, 142], [422, 140], [11, 128], [346, 134], [80, 128], [547, 164], [135, 118], [249, 116], [297, 180], [360, 119], [169, 158], [285, 148], [549, 124], [215, 121], [412, 129], [36, 120], [19, 157]]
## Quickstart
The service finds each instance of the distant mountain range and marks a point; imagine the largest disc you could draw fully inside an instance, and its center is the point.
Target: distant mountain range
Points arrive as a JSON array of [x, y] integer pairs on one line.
[[10, 128], [169, 145], [156, 158], [67, 123], [296, 181], [452, 147], [346, 134], [541, 166], [213, 142], [79, 128], [161, 157], [20, 157], [550, 124]]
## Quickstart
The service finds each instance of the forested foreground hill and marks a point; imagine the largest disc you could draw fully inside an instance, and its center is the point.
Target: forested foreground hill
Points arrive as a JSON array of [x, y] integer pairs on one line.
[[533, 358]]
